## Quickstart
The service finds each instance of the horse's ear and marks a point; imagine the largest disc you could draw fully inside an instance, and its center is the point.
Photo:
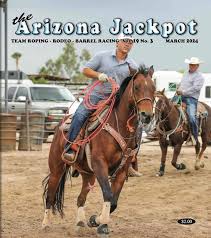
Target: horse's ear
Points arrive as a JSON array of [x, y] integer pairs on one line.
[[132, 71], [151, 70], [159, 93]]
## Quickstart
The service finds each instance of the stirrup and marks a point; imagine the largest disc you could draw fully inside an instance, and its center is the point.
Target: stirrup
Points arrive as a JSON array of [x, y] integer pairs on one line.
[[70, 158]]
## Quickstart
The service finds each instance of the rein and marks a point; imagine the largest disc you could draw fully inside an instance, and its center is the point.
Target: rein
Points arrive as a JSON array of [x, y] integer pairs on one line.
[[136, 102], [126, 151], [163, 132]]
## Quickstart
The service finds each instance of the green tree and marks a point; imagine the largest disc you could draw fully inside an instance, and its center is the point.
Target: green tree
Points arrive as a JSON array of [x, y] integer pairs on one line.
[[44, 70], [70, 60], [68, 64], [85, 56], [17, 57], [39, 80]]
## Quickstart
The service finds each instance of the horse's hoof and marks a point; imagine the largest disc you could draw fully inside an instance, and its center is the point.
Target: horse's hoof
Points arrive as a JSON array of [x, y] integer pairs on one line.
[[92, 221], [197, 164], [160, 173], [181, 166], [80, 226], [186, 171], [202, 164], [103, 231], [45, 227]]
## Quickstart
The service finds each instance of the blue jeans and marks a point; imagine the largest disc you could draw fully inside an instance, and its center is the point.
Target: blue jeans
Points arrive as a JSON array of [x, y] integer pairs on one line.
[[81, 115], [192, 114], [191, 111]]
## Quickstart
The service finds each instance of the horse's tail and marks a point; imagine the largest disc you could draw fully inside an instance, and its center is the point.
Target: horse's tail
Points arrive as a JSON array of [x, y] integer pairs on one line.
[[58, 203], [208, 121]]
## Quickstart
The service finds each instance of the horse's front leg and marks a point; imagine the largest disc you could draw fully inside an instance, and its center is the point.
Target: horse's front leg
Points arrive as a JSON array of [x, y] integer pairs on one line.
[[164, 148], [87, 182], [177, 149], [116, 187], [100, 169]]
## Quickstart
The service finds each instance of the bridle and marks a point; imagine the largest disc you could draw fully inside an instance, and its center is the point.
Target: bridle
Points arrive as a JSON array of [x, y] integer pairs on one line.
[[163, 132], [136, 102], [161, 109]]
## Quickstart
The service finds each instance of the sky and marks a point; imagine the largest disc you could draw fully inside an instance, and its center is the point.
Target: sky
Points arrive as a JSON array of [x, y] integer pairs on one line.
[[164, 56]]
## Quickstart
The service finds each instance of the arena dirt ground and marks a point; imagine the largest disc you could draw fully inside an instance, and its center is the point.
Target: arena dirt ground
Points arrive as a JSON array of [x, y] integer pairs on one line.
[[149, 206]]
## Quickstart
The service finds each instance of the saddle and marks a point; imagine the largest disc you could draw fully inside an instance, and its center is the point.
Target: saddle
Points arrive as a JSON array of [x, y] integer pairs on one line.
[[90, 125], [92, 122], [201, 110], [202, 113]]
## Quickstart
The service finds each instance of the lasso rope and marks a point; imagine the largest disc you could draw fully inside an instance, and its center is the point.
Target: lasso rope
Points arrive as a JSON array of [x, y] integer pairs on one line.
[[88, 104]]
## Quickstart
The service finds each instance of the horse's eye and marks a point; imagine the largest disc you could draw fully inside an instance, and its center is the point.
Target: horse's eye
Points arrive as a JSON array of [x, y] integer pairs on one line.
[[136, 88]]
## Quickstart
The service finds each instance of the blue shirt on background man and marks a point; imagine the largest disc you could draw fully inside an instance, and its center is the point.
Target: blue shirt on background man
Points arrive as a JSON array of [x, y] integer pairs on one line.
[[191, 84]]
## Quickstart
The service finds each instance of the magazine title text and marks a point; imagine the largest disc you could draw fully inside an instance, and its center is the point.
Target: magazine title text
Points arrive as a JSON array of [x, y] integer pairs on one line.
[[149, 27]]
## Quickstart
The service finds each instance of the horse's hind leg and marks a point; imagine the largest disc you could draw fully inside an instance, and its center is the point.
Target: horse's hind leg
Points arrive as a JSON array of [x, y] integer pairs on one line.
[[177, 149], [199, 163], [87, 183], [50, 192]]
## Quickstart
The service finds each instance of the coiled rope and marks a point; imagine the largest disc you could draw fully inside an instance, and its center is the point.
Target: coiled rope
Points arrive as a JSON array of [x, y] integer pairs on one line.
[[100, 105]]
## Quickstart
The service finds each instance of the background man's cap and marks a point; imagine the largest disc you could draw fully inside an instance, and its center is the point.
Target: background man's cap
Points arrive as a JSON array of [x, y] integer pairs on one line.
[[124, 37], [193, 60]]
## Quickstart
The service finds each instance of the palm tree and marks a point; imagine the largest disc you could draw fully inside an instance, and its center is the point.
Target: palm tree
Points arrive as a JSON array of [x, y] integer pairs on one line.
[[17, 57]]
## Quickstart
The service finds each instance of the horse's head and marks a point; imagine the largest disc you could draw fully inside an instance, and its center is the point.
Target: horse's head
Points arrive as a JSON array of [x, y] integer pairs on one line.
[[142, 93], [162, 106]]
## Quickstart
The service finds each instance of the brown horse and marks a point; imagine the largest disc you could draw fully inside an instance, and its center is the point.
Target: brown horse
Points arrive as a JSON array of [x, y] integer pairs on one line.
[[135, 97], [174, 131]]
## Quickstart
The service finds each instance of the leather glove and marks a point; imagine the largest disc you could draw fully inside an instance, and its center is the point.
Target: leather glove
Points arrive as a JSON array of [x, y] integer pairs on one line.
[[103, 77]]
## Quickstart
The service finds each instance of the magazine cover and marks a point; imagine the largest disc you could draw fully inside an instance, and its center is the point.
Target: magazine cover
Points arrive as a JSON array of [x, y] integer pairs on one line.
[[105, 126]]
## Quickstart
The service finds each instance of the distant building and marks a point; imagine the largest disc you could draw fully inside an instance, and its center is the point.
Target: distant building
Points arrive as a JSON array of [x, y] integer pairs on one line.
[[13, 74]]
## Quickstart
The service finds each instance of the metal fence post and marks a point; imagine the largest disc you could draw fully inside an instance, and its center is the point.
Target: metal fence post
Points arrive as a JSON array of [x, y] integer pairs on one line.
[[27, 124]]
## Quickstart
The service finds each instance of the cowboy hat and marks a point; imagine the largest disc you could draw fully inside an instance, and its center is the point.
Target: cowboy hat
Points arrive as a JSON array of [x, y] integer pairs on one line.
[[193, 60], [124, 37]]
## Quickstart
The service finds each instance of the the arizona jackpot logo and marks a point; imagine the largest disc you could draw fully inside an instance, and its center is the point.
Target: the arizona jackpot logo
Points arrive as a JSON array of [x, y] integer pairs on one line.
[[149, 27]]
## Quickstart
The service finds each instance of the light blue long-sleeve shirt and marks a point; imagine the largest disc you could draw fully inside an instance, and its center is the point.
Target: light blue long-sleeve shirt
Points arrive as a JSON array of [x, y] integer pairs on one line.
[[191, 84], [106, 62]]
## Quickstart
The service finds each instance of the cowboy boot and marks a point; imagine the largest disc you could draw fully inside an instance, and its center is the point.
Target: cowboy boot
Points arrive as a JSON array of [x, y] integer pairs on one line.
[[70, 156], [76, 125], [70, 153]]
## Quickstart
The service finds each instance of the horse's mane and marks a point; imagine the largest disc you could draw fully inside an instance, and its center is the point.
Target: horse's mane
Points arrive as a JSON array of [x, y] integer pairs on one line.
[[142, 69]]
